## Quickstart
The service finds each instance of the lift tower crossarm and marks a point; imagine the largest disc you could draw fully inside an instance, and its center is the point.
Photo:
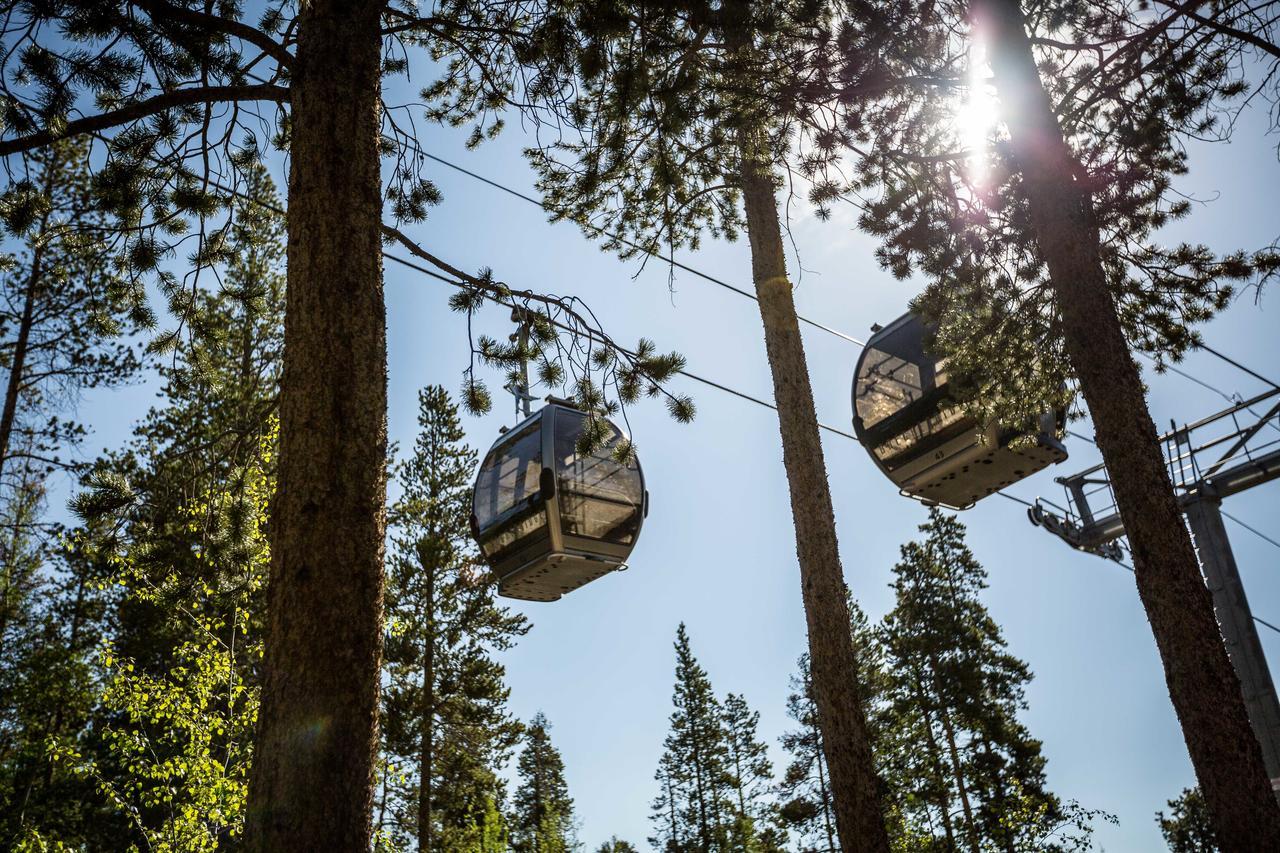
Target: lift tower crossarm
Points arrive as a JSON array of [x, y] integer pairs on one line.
[[1252, 458], [1090, 527]]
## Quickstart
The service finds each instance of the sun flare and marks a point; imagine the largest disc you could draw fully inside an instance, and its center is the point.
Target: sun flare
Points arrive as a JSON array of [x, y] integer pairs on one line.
[[976, 115]]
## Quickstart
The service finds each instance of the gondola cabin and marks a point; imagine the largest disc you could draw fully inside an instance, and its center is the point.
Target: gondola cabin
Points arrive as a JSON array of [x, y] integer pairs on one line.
[[921, 440], [549, 519]]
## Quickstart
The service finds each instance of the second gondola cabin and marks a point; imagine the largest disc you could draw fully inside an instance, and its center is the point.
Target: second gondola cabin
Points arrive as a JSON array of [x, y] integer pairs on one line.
[[922, 440], [550, 519]]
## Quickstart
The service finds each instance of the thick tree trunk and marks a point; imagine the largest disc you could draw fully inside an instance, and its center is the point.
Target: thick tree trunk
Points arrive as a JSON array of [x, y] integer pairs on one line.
[[854, 786], [312, 782], [1203, 686]]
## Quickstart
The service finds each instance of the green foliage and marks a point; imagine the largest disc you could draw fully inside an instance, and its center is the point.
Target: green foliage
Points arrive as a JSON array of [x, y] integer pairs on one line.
[[805, 811], [185, 738], [749, 778], [1188, 828], [600, 376], [616, 845], [219, 395], [163, 580], [48, 694], [954, 753], [947, 199], [942, 693], [445, 726], [714, 775], [66, 313], [660, 97], [542, 810]]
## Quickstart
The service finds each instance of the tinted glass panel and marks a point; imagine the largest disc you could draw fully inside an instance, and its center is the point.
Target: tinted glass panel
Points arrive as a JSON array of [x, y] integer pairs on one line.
[[515, 534], [509, 475], [895, 372], [600, 498], [922, 437]]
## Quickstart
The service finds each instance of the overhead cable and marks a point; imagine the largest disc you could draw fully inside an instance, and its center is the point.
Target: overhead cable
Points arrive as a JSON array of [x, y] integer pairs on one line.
[[695, 377], [1252, 530], [637, 246]]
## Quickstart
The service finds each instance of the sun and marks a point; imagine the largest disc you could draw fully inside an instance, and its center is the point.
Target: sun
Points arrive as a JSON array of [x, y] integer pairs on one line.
[[976, 115]]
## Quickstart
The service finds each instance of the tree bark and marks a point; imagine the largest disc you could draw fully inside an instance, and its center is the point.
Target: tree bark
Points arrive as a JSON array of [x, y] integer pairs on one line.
[[18, 367], [855, 787], [1203, 686], [312, 782]]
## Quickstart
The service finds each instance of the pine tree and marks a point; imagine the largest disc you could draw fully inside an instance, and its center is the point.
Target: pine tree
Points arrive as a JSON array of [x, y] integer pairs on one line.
[[666, 815], [959, 757], [542, 814], [683, 133], [220, 392], [1188, 828], [807, 809], [445, 724], [616, 845], [177, 96], [49, 692], [177, 747], [65, 321], [750, 778], [65, 312], [695, 807], [1048, 274], [164, 580], [807, 806]]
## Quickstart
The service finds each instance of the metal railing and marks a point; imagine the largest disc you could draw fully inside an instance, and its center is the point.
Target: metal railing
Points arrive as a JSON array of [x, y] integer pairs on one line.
[[1221, 454]]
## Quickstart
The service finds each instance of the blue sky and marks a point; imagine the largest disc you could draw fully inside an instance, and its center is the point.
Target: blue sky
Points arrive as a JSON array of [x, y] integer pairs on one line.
[[717, 551]]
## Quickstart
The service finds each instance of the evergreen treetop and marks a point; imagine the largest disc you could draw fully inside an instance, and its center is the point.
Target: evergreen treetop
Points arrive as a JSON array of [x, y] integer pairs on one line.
[[445, 729], [542, 819]]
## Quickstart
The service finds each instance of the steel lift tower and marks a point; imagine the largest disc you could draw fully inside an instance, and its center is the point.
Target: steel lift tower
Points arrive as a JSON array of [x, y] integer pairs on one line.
[[1209, 461]]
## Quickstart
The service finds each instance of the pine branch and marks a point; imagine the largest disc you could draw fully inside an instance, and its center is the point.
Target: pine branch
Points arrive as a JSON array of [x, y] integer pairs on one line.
[[160, 11], [143, 109], [1188, 10]]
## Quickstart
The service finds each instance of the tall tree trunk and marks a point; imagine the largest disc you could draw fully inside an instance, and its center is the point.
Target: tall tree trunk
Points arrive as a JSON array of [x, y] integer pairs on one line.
[[833, 663], [953, 750], [426, 768], [312, 782], [935, 754], [854, 786], [1203, 686]]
